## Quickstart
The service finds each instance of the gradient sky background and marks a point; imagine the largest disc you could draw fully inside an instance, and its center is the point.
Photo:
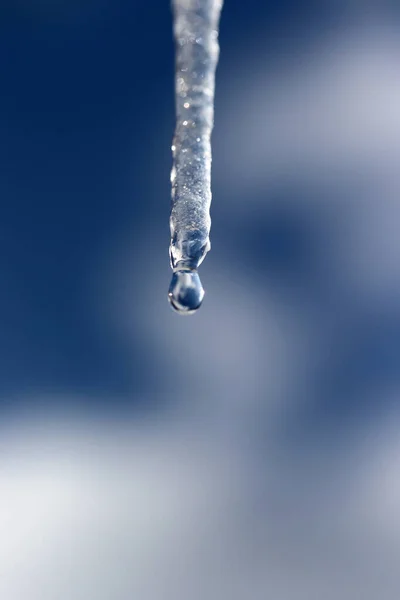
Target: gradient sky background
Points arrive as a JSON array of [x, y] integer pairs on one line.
[[254, 446]]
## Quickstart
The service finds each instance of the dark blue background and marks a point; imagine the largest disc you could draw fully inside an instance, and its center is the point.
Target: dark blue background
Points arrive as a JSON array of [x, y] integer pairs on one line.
[[86, 120]]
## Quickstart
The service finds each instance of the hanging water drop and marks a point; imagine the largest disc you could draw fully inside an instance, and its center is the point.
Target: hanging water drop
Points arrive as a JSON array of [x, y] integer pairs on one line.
[[196, 39], [186, 292]]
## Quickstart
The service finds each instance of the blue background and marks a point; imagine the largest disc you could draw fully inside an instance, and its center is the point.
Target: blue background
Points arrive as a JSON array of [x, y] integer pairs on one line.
[[86, 119]]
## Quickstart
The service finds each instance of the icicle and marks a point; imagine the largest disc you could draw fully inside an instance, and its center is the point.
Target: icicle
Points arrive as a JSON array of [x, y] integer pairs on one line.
[[196, 38]]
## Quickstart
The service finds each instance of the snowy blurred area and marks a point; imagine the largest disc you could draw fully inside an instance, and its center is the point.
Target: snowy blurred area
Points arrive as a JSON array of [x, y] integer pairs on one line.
[[254, 450]]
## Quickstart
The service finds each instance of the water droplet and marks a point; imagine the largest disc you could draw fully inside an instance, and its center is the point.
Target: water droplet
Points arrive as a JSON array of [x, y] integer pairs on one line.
[[186, 292]]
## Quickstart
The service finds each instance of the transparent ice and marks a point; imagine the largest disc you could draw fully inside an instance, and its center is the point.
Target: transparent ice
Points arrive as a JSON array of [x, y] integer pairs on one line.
[[196, 38]]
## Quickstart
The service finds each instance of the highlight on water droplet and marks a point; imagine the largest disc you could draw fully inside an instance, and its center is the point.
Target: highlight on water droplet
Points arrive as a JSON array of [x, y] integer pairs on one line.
[[186, 292]]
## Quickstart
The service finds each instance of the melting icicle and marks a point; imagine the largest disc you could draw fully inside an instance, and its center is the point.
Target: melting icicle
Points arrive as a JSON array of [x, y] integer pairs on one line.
[[196, 38]]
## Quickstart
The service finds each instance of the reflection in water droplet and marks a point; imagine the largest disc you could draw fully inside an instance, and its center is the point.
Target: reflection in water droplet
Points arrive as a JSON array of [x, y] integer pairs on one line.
[[186, 292]]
